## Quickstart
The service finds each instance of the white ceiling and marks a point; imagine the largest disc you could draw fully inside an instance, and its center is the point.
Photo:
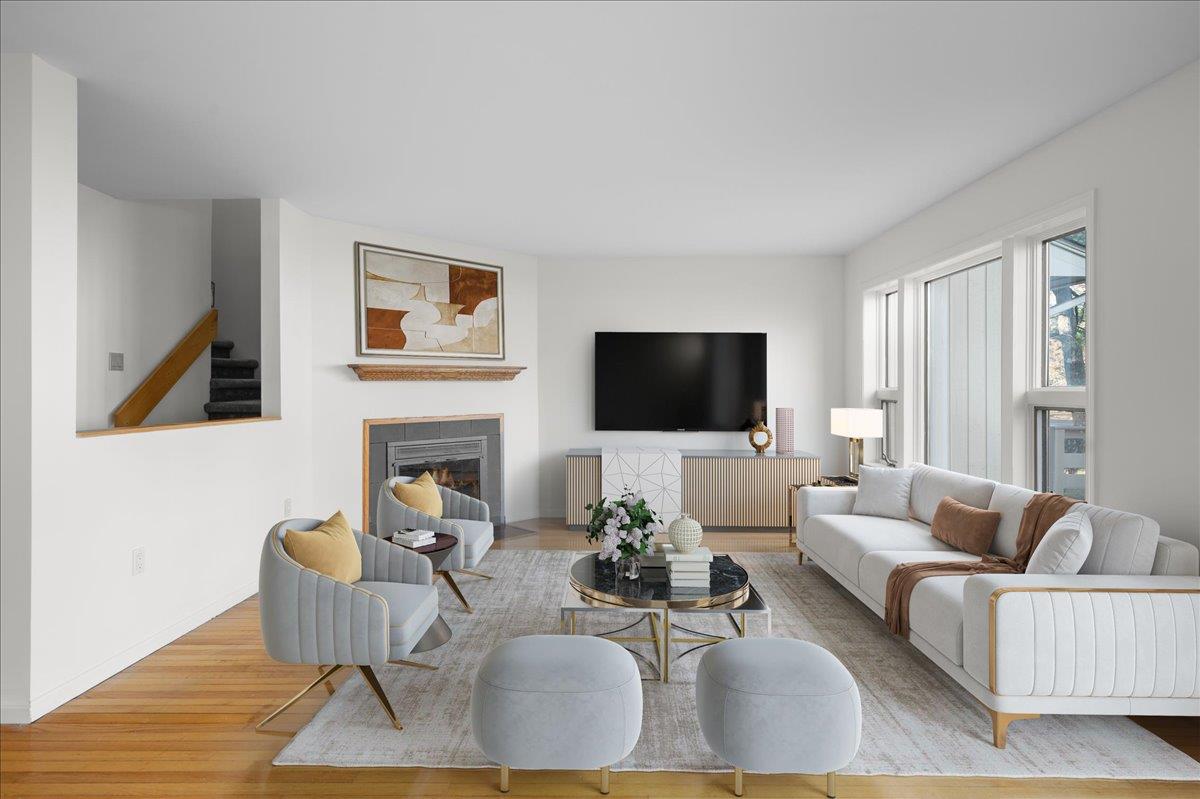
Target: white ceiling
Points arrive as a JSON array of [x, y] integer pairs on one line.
[[597, 129]]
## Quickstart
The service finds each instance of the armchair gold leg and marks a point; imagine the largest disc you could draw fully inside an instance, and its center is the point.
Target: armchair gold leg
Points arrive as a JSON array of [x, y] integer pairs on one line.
[[504, 779], [737, 782], [604, 779], [414, 664], [1000, 722], [474, 573], [322, 677], [831, 784], [369, 675], [329, 688], [455, 589]]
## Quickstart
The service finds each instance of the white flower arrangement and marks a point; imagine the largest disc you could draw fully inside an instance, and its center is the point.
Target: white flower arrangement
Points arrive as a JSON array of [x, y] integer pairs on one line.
[[624, 527]]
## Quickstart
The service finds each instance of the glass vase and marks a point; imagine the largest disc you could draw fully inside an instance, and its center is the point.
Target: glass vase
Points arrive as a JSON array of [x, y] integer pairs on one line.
[[629, 568]]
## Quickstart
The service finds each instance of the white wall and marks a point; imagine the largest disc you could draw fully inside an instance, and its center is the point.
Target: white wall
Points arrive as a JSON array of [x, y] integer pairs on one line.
[[199, 500], [1141, 158], [796, 301], [341, 401], [18, 75], [236, 245], [144, 271]]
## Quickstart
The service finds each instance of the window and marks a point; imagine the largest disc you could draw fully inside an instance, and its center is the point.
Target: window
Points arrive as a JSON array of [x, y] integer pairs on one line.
[[1062, 451], [891, 448], [1065, 268], [962, 370], [891, 347]]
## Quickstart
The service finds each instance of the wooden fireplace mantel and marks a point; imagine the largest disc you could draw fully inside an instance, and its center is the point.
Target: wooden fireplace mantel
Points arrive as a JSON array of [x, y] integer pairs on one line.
[[428, 371]]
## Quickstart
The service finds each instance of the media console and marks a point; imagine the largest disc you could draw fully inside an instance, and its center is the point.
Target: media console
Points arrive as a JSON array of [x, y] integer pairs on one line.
[[721, 489]]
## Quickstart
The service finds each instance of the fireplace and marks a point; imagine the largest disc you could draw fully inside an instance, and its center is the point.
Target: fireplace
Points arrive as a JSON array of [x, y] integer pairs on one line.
[[463, 453], [460, 464]]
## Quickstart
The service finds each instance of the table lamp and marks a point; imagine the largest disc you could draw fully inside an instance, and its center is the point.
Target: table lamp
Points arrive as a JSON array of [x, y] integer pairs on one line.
[[856, 424]]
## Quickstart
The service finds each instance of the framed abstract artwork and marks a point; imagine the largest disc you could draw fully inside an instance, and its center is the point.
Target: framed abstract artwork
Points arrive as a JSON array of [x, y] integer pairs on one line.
[[414, 303]]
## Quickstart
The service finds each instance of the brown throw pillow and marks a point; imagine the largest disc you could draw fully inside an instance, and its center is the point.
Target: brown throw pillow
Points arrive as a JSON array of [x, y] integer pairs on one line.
[[964, 527]]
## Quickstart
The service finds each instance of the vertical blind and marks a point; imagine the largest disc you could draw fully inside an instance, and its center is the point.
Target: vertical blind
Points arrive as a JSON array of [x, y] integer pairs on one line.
[[962, 371]]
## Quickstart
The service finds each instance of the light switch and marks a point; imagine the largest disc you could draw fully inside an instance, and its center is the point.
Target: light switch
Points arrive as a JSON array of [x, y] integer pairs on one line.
[[116, 362]]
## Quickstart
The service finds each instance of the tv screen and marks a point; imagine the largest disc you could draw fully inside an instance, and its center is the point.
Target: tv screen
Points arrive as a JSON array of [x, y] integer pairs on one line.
[[680, 381]]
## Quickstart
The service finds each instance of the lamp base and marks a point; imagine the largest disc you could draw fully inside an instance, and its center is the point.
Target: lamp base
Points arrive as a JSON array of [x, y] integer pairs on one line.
[[855, 446]]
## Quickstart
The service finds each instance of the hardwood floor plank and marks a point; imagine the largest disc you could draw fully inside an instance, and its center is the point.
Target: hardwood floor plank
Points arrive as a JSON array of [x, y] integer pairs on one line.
[[180, 723]]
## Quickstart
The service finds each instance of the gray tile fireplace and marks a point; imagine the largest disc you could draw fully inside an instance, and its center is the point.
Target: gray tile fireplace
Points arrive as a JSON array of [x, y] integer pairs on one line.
[[463, 454]]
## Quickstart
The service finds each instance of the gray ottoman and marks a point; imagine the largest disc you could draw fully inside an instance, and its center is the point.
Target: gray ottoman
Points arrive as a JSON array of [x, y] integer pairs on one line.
[[557, 702], [778, 705]]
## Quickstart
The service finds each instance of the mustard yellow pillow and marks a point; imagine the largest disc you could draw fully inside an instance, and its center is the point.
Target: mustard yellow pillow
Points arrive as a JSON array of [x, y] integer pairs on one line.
[[329, 549], [421, 494]]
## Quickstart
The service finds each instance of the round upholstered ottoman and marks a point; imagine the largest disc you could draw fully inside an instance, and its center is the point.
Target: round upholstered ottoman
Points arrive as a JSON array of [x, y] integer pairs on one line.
[[778, 705], [557, 702]]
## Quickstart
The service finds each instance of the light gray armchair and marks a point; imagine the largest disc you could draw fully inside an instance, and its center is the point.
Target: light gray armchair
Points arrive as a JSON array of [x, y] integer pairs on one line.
[[465, 517], [308, 617]]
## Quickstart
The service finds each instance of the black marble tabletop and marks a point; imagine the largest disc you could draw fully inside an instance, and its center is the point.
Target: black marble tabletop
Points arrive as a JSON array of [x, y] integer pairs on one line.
[[728, 582]]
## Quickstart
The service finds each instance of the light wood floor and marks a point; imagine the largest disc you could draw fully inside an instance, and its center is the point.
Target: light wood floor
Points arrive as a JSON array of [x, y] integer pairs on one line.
[[180, 723]]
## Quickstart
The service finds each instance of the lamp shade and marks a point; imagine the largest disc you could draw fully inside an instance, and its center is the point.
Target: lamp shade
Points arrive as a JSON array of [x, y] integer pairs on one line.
[[856, 422]]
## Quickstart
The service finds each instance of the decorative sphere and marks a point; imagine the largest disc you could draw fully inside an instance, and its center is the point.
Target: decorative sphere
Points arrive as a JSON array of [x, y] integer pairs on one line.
[[685, 533]]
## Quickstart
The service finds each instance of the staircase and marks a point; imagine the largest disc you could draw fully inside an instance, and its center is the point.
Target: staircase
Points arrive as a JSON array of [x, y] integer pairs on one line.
[[233, 390]]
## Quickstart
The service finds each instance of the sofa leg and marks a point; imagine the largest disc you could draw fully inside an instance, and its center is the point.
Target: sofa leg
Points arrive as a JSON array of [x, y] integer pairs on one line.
[[504, 779], [737, 782], [831, 784], [800, 556], [604, 780], [1000, 722]]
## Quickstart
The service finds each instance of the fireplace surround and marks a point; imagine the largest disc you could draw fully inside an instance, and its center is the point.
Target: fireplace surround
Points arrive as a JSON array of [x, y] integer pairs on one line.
[[461, 452]]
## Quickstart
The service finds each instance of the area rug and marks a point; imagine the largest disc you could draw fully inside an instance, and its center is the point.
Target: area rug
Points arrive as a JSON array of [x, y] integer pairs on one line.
[[916, 720]]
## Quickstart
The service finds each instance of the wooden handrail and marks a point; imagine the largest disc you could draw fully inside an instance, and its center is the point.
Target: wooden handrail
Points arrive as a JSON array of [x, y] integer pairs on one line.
[[142, 401]]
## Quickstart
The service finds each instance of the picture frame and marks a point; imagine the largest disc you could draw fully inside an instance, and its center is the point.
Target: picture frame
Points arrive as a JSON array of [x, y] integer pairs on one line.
[[417, 304]]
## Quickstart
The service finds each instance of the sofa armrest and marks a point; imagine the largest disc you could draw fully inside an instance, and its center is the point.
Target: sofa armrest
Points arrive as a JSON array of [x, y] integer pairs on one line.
[[1082, 635], [1176, 558], [386, 562], [821, 501]]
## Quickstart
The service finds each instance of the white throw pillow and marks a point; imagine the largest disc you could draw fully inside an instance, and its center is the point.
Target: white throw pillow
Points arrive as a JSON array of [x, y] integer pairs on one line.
[[883, 492], [1065, 546]]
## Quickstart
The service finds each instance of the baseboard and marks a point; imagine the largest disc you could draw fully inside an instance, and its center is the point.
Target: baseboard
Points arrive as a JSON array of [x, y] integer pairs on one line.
[[93, 676]]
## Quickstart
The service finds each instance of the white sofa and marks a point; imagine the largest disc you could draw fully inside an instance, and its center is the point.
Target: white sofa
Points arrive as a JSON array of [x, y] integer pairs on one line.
[[1122, 637]]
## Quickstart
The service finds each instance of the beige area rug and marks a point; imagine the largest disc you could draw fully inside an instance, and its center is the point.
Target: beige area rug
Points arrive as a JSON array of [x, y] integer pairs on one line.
[[916, 720]]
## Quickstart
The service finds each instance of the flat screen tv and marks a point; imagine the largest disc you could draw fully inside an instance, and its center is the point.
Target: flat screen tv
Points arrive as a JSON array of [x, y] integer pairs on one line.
[[680, 381]]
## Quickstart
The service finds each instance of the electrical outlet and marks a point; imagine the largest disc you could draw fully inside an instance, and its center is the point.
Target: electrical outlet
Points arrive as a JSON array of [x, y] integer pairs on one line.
[[287, 507], [139, 560], [116, 362]]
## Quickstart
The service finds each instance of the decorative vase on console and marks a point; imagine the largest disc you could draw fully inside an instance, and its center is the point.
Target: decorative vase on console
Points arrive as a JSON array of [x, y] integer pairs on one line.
[[625, 528], [685, 534]]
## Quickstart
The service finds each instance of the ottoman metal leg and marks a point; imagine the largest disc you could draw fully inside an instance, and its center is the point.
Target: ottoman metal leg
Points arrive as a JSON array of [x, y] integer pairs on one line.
[[831, 784], [604, 779], [504, 779], [737, 782]]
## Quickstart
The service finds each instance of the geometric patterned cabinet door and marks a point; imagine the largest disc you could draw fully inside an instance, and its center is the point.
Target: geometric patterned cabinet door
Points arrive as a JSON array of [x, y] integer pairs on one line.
[[655, 472]]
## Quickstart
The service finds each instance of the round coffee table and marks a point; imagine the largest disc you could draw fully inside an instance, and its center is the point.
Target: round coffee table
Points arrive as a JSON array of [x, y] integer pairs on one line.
[[439, 632], [597, 584]]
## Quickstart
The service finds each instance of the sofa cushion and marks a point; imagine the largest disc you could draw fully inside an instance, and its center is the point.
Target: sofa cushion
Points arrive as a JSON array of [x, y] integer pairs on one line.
[[841, 541], [930, 485], [1010, 501], [963, 527], [409, 607], [935, 612], [1064, 547], [875, 567], [882, 492]]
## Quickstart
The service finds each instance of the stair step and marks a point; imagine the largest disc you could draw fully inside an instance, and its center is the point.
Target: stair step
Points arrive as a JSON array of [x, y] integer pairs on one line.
[[222, 389], [221, 348], [235, 409], [233, 367]]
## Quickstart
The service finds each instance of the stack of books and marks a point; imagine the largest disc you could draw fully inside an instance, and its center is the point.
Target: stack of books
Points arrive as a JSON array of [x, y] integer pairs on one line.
[[413, 539], [685, 572]]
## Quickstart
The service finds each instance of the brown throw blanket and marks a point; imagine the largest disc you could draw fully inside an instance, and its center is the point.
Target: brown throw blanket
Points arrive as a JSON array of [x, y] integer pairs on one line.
[[1040, 513]]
